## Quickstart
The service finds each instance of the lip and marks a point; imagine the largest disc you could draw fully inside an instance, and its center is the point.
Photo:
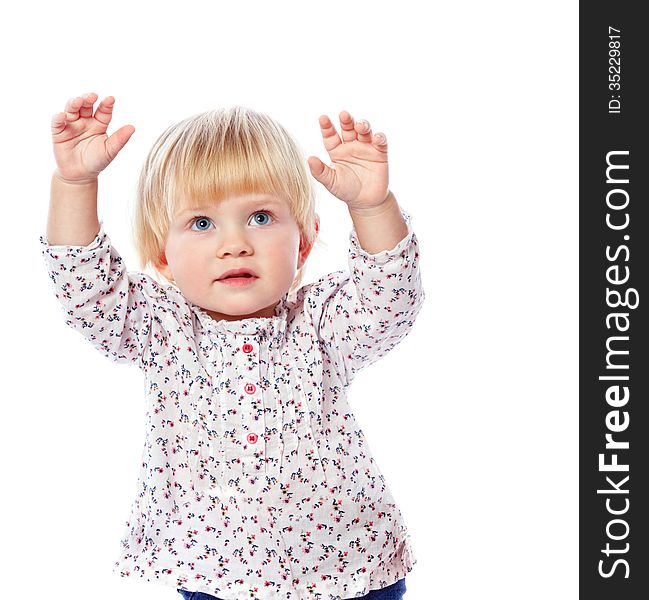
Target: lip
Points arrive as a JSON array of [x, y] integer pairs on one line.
[[235, 272], [238, 281]]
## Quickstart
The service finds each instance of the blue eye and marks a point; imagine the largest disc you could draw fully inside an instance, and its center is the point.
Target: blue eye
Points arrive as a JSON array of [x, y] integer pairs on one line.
[[204, 222], [261, 212], [200, 220]]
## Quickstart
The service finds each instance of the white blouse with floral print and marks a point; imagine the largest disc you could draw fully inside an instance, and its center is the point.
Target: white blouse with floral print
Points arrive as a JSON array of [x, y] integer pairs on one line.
[[256, 480]]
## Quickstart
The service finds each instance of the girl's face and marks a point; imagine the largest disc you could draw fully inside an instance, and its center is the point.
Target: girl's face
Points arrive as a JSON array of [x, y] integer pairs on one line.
[[250, 231]]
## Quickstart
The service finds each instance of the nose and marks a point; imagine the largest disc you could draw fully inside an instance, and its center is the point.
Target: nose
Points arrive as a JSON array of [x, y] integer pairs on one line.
[[233, 242]]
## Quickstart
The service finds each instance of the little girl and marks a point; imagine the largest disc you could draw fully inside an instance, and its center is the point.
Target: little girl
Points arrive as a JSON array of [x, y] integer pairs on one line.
[[256, 480]]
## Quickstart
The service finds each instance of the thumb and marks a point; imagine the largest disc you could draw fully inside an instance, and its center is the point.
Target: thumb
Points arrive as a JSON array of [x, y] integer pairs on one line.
[[322, 173], [118, 140]]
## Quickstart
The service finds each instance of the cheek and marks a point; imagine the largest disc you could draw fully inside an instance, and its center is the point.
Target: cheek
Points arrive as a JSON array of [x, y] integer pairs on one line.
[[185, 264], [284, 252], [186, 269]]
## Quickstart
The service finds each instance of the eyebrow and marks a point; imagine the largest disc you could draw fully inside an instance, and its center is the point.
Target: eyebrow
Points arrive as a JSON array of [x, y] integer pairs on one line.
[[248, 202]]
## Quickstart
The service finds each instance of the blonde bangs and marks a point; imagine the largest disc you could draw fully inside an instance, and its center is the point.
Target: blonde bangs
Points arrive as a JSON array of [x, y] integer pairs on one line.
[[209, 167]]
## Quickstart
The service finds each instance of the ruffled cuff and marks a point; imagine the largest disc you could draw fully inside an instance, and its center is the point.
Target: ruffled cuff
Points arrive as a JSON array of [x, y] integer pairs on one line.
[[384, 256], [54, 250]]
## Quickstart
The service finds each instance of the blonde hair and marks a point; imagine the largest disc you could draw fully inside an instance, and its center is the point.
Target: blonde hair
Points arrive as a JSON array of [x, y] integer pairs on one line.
[[214, 154]]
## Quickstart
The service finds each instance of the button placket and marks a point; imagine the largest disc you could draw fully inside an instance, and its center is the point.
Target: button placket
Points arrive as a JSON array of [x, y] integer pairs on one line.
[[247, 361]]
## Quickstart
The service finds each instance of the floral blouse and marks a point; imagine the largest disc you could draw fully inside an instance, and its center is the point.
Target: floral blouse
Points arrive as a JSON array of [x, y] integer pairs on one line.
[[256, 481]]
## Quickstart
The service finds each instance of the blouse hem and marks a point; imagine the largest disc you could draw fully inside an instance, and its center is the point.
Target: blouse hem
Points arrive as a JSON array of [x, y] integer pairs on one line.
[[399, 567]]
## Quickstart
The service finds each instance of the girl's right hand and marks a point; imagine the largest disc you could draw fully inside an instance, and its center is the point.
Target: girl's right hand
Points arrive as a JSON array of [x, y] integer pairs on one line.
[[81, 147]]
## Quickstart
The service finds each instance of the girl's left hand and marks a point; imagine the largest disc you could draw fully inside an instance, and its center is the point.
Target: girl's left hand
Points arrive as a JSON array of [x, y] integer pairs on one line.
[[358, 173]]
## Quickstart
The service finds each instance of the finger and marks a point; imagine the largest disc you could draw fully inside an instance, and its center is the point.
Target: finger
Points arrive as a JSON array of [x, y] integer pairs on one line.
[[322, 173], [380, 141], [72, 108], [118, 140], [59, 121], [347, 126], [87, 101], [104, 112], [363, 131], [330, 136]]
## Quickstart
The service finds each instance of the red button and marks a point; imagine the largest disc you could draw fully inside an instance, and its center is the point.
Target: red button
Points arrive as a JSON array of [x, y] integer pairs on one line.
[[250, 388], [252, 438], [247, 347]]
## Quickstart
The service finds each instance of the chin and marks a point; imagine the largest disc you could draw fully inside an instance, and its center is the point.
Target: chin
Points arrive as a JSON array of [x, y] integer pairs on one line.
[[238, 310]]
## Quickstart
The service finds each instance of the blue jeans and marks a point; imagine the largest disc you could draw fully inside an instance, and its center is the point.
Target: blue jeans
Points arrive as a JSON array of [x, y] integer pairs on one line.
[[392, 592]]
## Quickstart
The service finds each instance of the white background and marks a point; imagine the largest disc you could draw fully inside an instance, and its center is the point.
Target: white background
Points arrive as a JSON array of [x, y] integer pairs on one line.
[[472, 418]]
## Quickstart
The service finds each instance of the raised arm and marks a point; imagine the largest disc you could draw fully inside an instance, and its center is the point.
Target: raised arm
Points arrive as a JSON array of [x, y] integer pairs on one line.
[[361, 315], [110, 307], [82, 149]]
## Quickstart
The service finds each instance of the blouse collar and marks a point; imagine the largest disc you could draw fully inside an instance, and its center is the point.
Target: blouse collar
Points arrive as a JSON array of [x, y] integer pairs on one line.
[[272, 327]]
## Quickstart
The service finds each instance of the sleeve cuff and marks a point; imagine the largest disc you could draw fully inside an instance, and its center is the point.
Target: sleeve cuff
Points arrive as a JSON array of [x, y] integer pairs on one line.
[[384, 256], [93, 245]]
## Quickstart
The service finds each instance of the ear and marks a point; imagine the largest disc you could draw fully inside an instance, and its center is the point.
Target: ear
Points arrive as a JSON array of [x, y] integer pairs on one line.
[[162, 266], [305, 250]]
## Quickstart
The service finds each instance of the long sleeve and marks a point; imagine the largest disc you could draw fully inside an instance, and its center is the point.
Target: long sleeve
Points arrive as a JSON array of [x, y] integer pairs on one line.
[[108, 306], [362, 314]]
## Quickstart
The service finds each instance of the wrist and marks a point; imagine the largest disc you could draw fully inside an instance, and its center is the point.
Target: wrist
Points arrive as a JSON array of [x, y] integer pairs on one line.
[[388, 204], [380, 227], [87, 181]]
